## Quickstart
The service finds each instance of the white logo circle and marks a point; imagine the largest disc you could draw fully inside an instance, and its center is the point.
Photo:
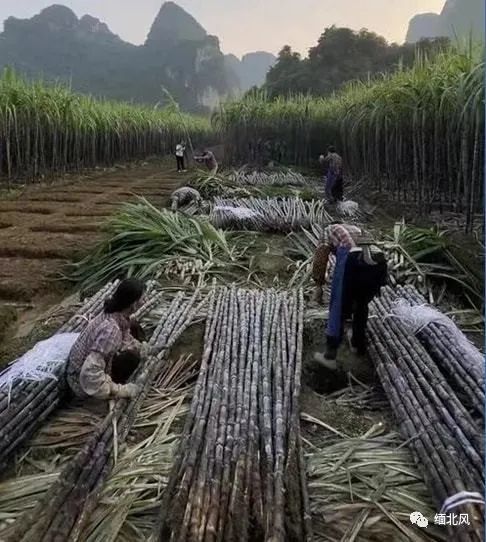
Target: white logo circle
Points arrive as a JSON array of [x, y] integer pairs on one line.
[[417, 518]]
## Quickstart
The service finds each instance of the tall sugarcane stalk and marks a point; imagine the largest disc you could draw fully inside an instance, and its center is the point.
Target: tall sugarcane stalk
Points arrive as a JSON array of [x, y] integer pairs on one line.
[[416, 135], [47, 130]]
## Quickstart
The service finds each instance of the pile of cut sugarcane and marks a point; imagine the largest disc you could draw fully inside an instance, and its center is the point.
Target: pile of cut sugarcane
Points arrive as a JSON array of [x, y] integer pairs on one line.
[[430, 392], [280, 215], [260, 178], [239, 473], [63, 511]]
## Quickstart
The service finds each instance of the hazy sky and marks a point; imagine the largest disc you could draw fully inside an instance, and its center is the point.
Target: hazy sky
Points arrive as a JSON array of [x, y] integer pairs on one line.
[[247, 25]]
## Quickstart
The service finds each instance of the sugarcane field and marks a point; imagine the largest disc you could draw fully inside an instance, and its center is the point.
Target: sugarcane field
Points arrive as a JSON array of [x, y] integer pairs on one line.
[[257, 322]]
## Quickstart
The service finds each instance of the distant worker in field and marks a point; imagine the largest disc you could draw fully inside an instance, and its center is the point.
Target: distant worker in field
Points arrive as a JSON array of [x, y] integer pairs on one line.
[[359, 274], [333, 170], [209, 160], [184, 196], [107, 348], [179, 153]]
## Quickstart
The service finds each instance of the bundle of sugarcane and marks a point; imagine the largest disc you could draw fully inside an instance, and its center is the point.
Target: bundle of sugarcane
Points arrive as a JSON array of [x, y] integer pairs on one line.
[[271, 214], [443, 436], [365, 488], [26, 404], [458, 359], [62, 513], [239, 473], [260, 178]]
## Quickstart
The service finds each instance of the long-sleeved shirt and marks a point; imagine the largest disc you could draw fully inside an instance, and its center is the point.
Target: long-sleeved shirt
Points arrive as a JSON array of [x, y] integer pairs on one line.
[[334, 163], [89, 363]]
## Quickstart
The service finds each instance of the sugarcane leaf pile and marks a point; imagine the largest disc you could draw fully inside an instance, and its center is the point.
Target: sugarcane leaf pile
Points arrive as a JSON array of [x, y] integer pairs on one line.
[[365, 488], [444, 437], [147, 242], [239, 472], [281, 215], [64, 509], [423, 256], [212, 185]]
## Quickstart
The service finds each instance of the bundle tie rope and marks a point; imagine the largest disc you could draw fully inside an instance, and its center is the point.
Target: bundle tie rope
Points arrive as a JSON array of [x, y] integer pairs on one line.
[[419, 317], [463, 497], [39, 363]]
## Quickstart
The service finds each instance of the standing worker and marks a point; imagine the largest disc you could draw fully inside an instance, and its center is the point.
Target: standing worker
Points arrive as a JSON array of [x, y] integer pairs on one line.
[[184, 196], [359, 274], [333, 166], [179, 153], [209, 160], [107, 338]]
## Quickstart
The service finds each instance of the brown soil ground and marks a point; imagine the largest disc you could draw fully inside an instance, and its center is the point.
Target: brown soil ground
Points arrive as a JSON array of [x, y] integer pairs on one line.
[[44, 226]]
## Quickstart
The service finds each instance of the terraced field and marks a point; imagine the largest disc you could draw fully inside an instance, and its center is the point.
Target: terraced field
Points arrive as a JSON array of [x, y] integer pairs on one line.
[[44, 227]]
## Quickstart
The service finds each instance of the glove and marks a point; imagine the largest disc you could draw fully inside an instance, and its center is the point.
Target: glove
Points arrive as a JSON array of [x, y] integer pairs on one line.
[[128, 391]]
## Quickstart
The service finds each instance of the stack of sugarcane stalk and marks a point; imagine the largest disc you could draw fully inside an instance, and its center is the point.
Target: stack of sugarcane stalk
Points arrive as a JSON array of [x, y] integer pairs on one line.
[[460, 361], [25, 405], [239, 473], [260, 178], [281, 215], [63, 511], [445, 440]]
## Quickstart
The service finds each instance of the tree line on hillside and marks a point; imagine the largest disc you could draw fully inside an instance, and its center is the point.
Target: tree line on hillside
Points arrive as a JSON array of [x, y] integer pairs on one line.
[[340, 56]]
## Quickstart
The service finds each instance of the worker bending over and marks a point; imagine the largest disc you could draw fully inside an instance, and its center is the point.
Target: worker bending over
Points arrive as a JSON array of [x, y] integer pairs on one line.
[[209, 160], [184, 196], [359, 274], [104, 344]]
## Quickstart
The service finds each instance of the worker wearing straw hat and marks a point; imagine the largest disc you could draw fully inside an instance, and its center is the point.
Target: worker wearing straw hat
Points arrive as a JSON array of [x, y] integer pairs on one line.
[[359, 273]]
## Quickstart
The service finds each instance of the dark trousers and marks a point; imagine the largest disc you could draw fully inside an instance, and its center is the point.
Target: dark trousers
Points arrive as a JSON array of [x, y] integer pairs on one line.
[[337, 191], [362, 282], [180, 163]]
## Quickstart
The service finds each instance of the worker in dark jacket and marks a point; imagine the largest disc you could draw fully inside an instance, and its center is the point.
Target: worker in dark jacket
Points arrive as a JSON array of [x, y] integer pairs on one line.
[[359, 274]]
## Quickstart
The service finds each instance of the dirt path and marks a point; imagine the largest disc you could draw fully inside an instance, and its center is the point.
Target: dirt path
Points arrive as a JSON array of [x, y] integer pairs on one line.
[[44, 227]]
